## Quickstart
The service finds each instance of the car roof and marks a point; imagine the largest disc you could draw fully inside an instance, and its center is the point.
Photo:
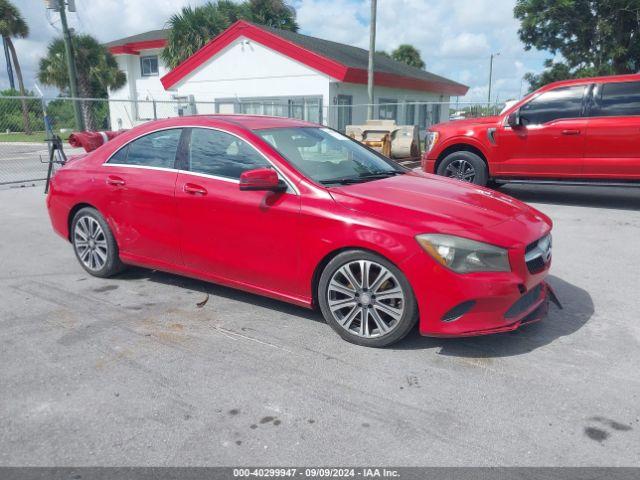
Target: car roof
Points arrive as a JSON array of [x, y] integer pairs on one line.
[[249, 122], [635, 77]]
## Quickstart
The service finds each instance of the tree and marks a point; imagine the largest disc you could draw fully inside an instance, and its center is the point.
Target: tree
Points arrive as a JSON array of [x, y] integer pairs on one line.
[[408, 54], [96, 70], [12, 25], [273, 13], [11, 113], [593, 37], [193, 27]]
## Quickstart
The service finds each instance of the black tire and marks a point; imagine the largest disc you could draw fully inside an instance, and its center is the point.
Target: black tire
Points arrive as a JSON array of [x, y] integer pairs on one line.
[[399, 327], [103, 244], [450, 167]]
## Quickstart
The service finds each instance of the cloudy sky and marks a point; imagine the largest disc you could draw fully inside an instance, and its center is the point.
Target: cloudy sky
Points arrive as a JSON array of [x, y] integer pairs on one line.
[[455, 37]]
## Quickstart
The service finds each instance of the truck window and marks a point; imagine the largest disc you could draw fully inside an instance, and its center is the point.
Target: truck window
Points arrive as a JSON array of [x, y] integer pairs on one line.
[[617, 100], [563, 102]]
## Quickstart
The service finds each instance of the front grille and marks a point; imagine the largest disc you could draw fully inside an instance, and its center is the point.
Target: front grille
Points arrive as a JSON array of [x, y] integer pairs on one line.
[[537, 255], [524, 302]]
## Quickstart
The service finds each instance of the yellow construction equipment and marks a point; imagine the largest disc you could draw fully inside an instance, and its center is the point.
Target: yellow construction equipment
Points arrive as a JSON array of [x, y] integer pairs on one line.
[[384, 136]]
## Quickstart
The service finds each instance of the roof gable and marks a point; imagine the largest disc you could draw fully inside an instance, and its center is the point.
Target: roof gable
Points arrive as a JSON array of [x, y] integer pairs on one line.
[[339, 61]]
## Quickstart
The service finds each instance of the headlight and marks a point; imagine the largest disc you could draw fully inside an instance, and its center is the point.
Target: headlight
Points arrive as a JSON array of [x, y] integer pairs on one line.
[[431, 139], [463, 255]]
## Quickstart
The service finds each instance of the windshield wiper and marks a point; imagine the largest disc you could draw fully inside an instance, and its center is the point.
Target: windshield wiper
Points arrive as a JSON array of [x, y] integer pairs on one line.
[[383, 174], [362, 178]]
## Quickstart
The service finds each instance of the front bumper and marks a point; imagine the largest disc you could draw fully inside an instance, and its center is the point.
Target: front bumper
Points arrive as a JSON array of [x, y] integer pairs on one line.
[[428, 163], [499, 302], [533, 314]]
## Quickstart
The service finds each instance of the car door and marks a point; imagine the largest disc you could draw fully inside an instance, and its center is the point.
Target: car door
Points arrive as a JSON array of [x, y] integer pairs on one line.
[[245, 237], [613, 132], [550, 142], [140, 180]]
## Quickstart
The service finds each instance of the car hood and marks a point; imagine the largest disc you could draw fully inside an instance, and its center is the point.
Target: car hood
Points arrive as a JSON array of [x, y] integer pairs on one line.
[[430, 203]]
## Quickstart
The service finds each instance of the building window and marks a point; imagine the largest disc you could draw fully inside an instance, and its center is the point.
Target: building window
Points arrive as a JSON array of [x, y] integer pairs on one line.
[[304, 108], [149, 65], [436, 113], [344, 104], [388, 109], [410, 113], [423, 116]]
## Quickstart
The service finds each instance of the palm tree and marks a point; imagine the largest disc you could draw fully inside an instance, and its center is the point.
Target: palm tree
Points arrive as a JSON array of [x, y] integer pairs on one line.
[[13, 25], [273, 13], [96, 71], [408, 54], [192, 28]]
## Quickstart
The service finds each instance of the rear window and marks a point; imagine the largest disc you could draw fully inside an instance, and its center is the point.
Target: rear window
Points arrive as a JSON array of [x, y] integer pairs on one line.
[[617, 100]]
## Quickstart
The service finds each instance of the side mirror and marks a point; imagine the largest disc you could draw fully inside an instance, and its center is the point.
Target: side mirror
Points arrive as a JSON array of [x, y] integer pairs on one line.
[[262, 179], [513, 120]]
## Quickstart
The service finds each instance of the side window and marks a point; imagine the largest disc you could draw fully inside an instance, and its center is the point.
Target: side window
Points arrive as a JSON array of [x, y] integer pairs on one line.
[[564, 102], [388, 109], [157, 149], [223, 155], [617, 100], [149, 65]]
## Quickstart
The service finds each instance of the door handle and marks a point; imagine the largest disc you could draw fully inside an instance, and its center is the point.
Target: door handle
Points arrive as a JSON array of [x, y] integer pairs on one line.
[[193, 189], [115, 181], [570, 132]]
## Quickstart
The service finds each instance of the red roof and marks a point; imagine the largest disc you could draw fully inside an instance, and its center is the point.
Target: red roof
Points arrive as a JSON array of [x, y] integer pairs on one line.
[[341, 62], [143, 41]]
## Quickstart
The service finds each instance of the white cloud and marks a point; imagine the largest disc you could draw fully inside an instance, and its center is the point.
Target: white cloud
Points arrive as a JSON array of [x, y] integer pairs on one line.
[[455, 37], [465, 45]]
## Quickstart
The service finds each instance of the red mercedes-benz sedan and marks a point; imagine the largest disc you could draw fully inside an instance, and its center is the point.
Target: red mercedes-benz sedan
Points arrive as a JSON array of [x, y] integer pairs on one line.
[[301, 213]]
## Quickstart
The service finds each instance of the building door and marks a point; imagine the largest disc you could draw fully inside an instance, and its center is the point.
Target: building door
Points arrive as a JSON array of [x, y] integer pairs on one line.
[[344, 105], [226, 107]]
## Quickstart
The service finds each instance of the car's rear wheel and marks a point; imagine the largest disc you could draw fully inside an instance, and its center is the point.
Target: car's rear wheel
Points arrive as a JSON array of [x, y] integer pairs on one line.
[[94, 245], [464, 166], [366, 299]]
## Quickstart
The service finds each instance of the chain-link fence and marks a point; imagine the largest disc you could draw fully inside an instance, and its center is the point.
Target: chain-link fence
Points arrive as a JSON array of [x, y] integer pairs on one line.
[[26, 122]]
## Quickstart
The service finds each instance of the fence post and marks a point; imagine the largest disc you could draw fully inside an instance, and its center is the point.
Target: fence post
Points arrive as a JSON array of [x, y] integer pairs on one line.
[[155, 112]]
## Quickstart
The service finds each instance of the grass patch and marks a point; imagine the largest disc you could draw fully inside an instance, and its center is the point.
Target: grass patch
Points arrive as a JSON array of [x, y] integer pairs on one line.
[[35, 137]]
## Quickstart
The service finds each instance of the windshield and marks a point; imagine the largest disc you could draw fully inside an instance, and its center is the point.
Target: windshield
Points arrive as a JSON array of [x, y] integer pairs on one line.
[[329, 158]]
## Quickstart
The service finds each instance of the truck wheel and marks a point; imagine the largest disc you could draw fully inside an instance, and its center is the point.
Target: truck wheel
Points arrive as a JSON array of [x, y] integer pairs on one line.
[[464, 166]]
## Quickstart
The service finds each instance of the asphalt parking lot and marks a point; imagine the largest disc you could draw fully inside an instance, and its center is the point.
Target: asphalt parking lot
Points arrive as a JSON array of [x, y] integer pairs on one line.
[[131, 371]]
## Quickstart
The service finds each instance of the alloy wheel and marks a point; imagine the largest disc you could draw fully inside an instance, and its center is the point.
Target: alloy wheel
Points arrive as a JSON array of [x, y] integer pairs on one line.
[[461, 170], [366, 299], [90, 243]]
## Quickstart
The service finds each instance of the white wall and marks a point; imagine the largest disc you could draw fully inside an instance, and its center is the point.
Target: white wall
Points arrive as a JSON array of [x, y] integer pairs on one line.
[[248, 70], [141, 88], [245, 69]]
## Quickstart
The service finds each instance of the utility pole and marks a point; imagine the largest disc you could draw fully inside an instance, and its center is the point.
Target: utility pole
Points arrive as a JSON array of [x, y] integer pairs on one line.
[[7, 57], [372, 52], [491, 76], [71, 65]]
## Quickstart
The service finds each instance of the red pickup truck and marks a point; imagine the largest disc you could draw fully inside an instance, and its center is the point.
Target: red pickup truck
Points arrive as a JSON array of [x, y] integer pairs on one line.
[[575, 131]]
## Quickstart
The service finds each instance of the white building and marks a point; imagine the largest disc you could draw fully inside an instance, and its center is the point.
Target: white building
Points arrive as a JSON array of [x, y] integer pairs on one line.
[[251, 68]]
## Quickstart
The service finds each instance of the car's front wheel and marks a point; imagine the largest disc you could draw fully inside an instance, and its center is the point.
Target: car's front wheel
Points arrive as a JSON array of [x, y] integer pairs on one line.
[[366, 299], [464, 166], [93, 243]]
